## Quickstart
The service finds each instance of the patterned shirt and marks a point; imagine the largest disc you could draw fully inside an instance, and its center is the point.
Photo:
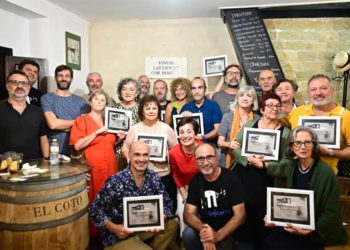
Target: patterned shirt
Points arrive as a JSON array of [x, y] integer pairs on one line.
[[66, 108], [108, 205]]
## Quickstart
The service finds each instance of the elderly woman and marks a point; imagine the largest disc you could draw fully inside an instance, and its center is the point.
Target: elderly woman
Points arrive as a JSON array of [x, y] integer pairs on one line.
[[256, 180], [180, 89], [149, 114], [306, 171], [128, 91], [242, 110], [287, 91]]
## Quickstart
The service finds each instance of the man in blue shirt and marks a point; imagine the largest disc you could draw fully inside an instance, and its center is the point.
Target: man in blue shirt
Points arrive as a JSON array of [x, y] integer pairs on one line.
[[210, 110], [106, 211]]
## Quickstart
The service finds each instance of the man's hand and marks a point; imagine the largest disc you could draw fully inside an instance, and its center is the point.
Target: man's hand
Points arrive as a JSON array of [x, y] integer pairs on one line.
[[290, 228], [209, 246], [186, 113], [207, 234], [118, 229]]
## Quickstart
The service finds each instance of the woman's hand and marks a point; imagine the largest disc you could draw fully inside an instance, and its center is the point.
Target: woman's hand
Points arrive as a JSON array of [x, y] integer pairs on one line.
[[256, 160], [268, 224], [234, 144], [101, 130], [121, 134], [290, 228]]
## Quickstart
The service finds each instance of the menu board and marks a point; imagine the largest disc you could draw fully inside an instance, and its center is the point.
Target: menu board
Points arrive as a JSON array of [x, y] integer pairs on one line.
[[252, 43]]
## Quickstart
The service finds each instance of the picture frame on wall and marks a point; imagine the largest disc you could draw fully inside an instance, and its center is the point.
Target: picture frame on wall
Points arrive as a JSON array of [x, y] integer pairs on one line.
[[73, 51], [214, 66]]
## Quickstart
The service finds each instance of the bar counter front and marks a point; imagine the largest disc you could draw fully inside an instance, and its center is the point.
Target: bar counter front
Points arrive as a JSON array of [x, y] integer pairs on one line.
[[46, 210]]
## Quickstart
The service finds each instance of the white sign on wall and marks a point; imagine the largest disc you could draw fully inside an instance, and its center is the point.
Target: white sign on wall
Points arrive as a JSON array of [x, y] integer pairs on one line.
[[166, 67]]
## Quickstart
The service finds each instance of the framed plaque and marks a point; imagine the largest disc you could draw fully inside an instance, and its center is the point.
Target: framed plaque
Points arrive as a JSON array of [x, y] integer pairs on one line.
[[264, 142], [157, 145], [197, 116], [214, 66], [117, 119], [295, 206], [143, 213], [327, 129]]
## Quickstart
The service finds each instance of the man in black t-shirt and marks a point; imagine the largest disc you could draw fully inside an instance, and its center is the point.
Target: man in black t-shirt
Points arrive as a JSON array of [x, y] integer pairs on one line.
[[214, 206]]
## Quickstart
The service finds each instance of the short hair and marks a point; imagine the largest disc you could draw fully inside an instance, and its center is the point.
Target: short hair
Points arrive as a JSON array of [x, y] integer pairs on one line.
[[98, 92], [184, 83], [318, 76], [233, 65], [16, 72], [292, 83], [160, 80], [266, 69], [201, 145], [148, 99], [124, 82], [199, 78], [264, 98], [241, 91], [26, 62], [289, 151], [188, 120], [63, 67], [93, 73]]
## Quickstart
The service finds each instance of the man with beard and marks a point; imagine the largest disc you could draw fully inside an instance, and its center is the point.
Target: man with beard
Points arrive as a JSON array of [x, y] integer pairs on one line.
[[232, 79], [215, 204], [61, 108], [321, 92], [22, 125], [31, 69], [160, 90], [145, 85]]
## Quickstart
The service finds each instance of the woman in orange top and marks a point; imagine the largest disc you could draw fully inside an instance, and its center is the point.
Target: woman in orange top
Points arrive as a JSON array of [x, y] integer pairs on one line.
[[89, 134]]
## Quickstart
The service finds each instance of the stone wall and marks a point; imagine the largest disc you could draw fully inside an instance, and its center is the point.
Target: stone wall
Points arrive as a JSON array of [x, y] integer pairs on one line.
[[306, 46]]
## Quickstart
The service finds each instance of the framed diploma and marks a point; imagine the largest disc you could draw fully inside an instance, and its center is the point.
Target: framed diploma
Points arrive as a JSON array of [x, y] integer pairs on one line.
[[157, 145], [264, 142], [197, 116], [214, 66], [117, 119], [294, 206], [327, 129], [143, 213]]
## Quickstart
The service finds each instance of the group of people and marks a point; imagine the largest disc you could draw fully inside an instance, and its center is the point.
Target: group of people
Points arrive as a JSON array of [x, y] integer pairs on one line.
[[222, 194]]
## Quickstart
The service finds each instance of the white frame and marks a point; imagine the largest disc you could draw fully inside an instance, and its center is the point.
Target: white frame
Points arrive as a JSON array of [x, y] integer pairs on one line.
[[336, 120], [273, 155], [291, 196], [109, 110], [145, 137], [177, 118], [222, 60], [141, 201], [162, 115]]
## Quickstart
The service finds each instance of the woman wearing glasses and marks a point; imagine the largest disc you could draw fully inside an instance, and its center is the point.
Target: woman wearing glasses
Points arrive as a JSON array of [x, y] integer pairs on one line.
[[306, 171], [256, 180]]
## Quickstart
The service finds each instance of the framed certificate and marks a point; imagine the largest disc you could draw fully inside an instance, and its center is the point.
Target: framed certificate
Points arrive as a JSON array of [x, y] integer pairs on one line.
[[327, 129], [214, 66], [143, 213], [197, 116], [157, 145], [264, 142], [162, 115], [294, 206], [117, 119]]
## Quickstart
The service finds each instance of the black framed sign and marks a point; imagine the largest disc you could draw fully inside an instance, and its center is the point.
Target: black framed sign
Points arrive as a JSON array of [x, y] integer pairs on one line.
[[214, 66], [143, 213], [264, 142], [117, 119], [197, 116], [327, 129], [294, 206], [157, 145]]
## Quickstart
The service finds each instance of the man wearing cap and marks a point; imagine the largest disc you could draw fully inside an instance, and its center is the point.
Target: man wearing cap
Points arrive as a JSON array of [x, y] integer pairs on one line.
[[321, 92]]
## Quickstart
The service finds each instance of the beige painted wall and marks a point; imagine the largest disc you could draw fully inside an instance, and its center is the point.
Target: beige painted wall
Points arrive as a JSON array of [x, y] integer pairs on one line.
[[118, 49]]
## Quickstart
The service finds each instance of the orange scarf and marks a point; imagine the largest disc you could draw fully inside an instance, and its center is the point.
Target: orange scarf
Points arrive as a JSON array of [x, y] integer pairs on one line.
[[235, 128]]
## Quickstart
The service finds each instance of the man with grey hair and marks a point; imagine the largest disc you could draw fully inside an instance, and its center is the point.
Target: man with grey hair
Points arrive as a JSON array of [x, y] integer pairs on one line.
[[145, 85], [94, 81], [321, 92], [160, 90]]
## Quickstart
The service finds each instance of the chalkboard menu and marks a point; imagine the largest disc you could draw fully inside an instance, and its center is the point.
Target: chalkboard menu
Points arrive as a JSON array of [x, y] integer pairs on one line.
[[252, 43]]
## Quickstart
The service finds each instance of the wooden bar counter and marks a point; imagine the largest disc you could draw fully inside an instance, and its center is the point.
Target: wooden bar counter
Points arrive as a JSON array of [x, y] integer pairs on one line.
[[48, 211]]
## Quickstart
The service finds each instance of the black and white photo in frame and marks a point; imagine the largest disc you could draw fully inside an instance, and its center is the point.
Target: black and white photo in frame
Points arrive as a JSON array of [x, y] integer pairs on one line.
[[157, 144], [214, 66], [196, 116], [117, 119]]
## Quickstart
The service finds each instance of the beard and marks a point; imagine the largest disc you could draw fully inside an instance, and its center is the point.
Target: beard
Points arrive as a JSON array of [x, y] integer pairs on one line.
[[232, 84], [63, 85], [144, 90], [328, 99]]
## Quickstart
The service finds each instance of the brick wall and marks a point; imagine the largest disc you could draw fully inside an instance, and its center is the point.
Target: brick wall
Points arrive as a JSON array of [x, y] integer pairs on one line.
[[306, 46]]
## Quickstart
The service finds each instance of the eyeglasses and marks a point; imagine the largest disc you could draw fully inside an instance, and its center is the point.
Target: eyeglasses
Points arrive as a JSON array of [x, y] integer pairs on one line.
[[17, 83], [233, 73], [299, 143], [202, 159], [271, 106]]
